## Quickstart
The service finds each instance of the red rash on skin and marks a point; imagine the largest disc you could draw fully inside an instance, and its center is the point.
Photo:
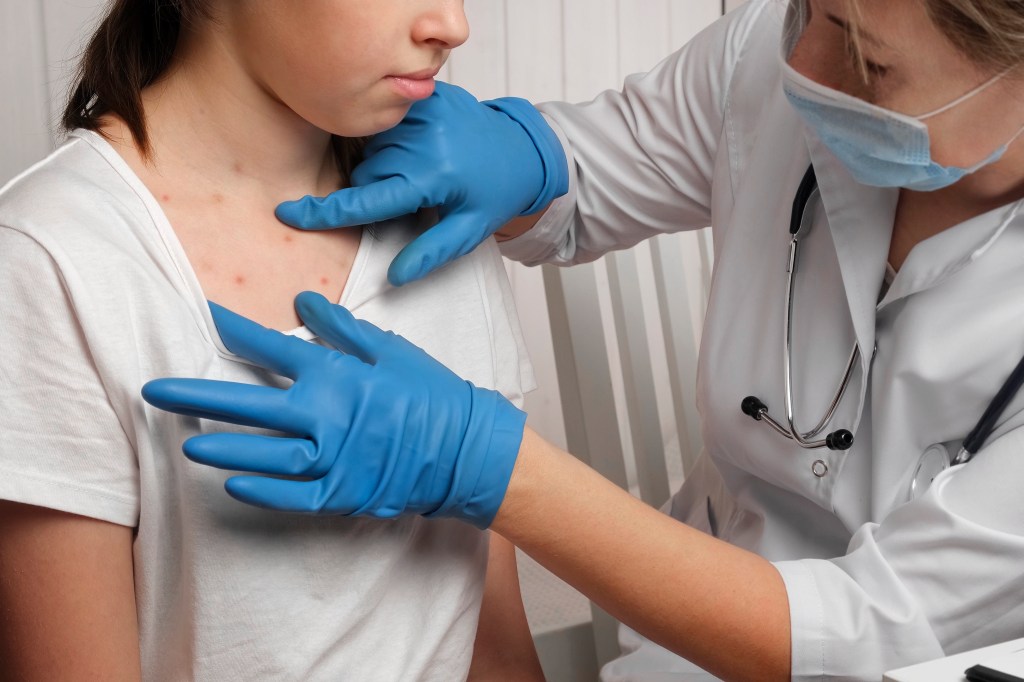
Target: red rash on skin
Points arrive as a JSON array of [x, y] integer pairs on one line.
[[289, 238], [324, 280], [165, 197], [219, 198], [239, 280]]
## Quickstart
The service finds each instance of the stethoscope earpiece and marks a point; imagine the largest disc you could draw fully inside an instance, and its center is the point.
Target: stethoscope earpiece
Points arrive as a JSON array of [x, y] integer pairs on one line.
[[839, 440], [753, 407]]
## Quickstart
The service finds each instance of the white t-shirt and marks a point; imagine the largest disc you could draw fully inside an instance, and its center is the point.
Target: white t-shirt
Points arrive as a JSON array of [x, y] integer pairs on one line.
[[96, 298]]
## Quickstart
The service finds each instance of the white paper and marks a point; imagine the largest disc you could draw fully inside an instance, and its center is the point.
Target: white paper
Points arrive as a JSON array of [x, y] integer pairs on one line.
[[1010, 664]]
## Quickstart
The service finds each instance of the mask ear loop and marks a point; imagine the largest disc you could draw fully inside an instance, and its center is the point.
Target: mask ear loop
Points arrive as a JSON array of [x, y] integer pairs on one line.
[[1015, 136], [999, 76], [963, 98]]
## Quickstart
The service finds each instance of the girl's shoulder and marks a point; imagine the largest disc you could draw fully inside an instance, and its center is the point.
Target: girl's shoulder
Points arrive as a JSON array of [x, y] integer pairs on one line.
[[81, 191]]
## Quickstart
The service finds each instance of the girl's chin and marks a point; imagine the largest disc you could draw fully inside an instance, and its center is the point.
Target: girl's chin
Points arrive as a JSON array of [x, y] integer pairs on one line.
[[368, 123]]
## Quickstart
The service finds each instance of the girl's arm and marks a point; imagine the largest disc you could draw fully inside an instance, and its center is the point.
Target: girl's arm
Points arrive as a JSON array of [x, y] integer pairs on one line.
[[504, 647], [67, 597], [689, 592]]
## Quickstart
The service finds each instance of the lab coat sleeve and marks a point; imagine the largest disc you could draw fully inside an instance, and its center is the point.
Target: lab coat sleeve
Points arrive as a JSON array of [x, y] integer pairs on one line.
[[644, 158], [938, 576]]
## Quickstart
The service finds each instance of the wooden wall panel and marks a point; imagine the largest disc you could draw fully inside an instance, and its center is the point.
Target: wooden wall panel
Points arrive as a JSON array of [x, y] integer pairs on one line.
[[686, 19], [644, 30], [590, 43], [536, 63], [480, 65]]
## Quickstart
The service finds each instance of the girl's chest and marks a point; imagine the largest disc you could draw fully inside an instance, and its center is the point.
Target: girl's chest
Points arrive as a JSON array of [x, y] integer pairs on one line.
[[249, 262]]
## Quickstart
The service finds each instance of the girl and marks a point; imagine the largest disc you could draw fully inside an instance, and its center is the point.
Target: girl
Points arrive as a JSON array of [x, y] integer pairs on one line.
[[888, 134], [188, 122]]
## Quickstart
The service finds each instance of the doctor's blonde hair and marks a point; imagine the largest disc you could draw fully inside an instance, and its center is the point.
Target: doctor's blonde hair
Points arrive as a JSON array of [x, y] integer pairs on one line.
[[989, 32]]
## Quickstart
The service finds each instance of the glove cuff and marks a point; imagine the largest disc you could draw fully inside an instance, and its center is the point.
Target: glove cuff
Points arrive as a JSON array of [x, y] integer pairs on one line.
[[547, 144], [485, 460]]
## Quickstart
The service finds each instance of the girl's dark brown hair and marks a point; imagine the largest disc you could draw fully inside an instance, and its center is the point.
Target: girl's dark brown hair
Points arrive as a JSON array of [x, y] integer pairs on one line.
[[131, 49]]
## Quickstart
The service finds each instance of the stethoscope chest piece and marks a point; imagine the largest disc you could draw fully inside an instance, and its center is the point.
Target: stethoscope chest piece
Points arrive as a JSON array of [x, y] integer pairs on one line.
[[932, 462]]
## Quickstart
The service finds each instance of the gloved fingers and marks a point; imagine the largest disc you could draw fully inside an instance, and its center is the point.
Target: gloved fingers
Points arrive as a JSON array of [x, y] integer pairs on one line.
[[257, 454], [387, 161], [280, 353], [338, 327], [453, 237], [381, 200], [285, 495], [244, 404]]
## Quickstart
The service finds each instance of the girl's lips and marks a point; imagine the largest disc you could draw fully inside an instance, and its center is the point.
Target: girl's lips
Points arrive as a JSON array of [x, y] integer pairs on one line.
[[413, 88]]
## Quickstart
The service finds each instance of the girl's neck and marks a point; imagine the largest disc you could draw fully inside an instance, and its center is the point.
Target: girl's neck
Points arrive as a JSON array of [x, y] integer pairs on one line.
[[209, 119], [224, 153]]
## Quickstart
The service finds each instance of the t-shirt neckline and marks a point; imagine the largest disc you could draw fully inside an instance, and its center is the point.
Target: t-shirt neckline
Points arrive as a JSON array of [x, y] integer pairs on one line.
[[183, 265]]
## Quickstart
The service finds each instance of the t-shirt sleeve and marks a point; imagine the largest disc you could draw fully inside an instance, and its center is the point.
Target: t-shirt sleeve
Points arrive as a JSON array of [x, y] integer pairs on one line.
[[63, 446]]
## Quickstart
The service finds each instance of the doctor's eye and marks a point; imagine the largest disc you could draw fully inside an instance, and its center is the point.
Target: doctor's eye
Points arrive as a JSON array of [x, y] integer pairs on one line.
[[875, 69], [867, 68]]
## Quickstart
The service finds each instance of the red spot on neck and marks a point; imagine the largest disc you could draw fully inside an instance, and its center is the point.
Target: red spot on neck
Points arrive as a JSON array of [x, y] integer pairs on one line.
[[239, 280], [325, 281], [165, 197]]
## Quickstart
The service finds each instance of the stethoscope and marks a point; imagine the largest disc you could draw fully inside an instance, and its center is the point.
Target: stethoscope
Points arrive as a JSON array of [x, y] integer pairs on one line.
[[937, 457]]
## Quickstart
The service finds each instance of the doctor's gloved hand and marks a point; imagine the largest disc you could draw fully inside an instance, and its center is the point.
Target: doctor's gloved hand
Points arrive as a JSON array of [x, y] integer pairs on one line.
[[480, 163], [376, 428]]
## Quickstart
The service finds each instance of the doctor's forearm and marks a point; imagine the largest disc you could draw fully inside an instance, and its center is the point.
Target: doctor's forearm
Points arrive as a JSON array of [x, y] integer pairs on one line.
[[698, 596]]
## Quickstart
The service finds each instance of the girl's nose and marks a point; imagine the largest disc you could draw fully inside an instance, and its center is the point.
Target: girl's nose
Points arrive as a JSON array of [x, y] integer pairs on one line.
[[444, 25]]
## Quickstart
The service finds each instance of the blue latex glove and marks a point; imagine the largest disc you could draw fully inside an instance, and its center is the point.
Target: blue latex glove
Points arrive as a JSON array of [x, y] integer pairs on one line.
[[376, 428], [480, 163]]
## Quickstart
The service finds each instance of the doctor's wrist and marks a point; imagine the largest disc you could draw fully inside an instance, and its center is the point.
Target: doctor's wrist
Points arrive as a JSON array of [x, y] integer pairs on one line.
[[550, 155]]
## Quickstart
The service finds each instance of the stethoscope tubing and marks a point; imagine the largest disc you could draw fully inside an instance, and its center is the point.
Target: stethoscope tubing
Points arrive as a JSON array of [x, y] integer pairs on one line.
[[987, 424], [804, 439], [756, 408], [842, 439]]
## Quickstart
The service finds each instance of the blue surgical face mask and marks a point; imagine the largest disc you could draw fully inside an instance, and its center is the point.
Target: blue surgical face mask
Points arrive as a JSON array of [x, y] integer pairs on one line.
[[878, 147]]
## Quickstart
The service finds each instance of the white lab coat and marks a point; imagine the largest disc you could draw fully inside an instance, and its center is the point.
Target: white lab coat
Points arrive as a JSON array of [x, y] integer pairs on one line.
[[708, 138]]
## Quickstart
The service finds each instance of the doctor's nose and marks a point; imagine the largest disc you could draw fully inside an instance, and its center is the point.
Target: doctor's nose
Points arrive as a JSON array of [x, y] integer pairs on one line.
[[443, 26]]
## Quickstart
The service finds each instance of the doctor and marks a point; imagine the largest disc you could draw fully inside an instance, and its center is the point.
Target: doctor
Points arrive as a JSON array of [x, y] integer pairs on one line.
[[882, 132]]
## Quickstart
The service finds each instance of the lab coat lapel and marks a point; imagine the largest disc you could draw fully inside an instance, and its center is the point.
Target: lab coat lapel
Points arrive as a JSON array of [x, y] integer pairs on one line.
[[860, 220]]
